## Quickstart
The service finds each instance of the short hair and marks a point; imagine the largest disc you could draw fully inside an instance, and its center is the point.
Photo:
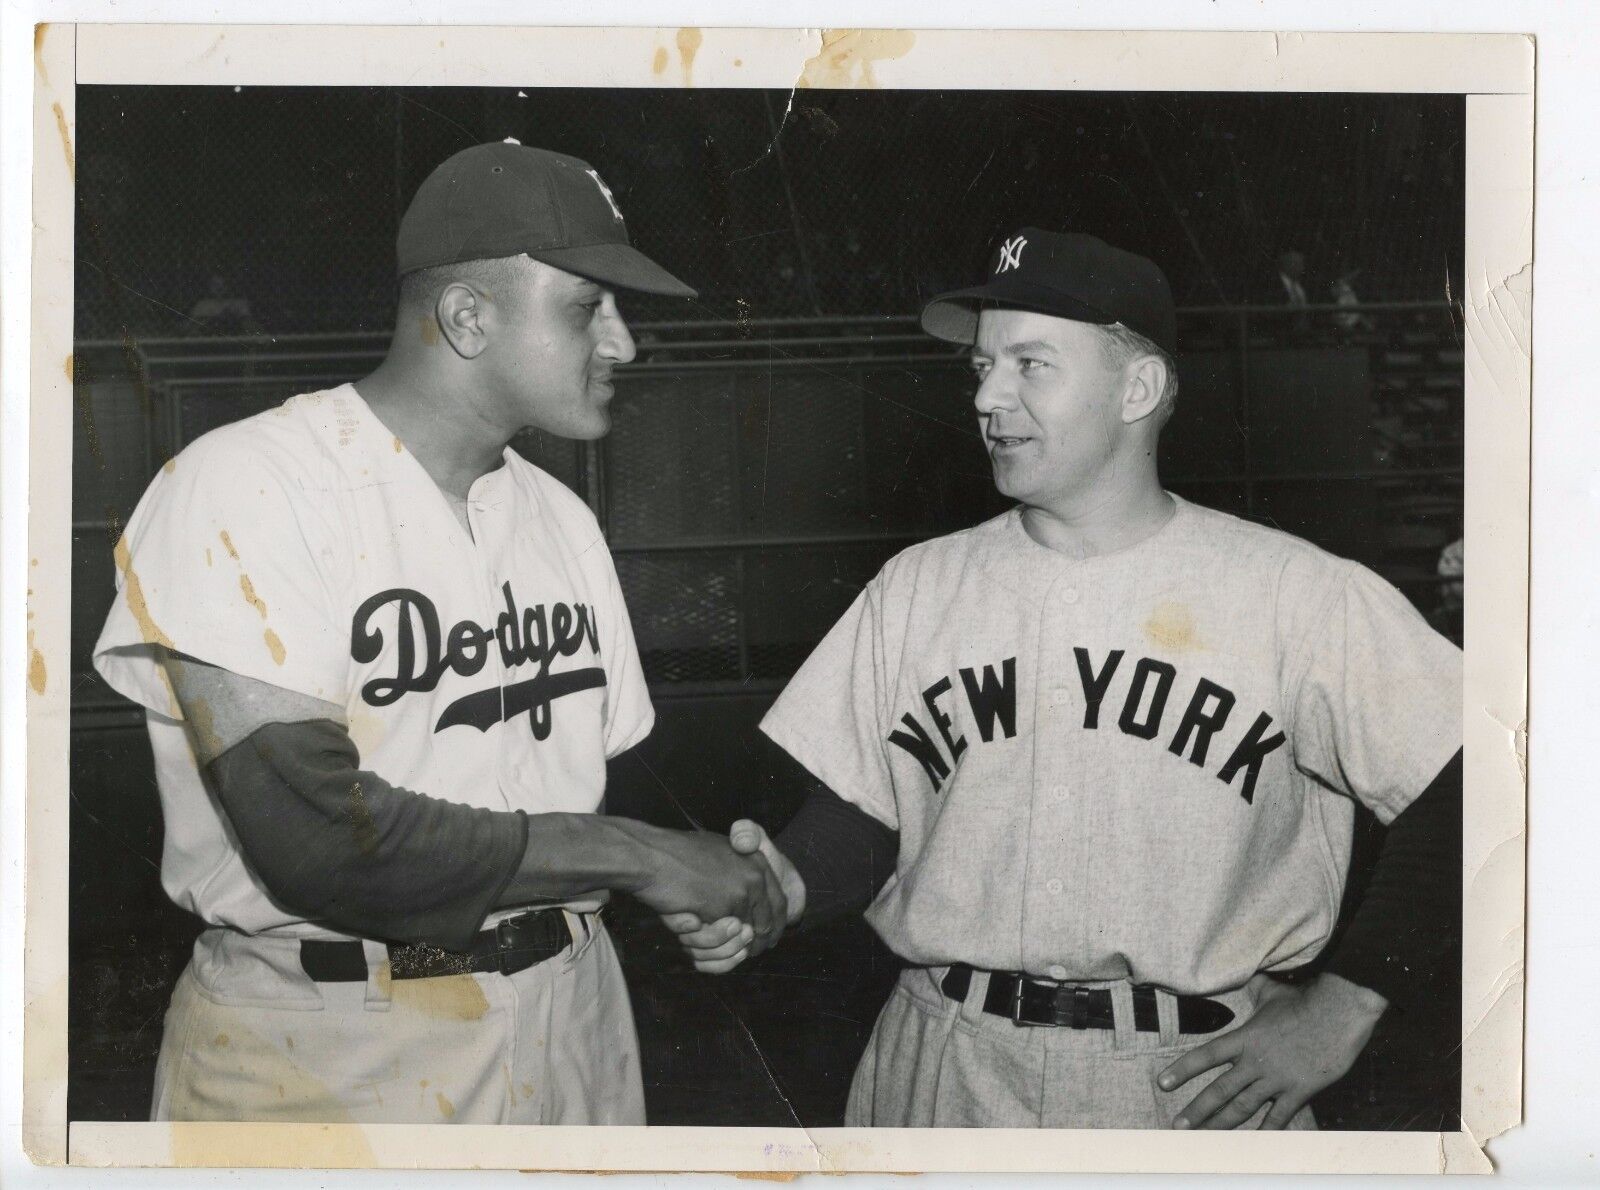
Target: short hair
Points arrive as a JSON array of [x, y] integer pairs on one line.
[[421, 287], [1122, 344]]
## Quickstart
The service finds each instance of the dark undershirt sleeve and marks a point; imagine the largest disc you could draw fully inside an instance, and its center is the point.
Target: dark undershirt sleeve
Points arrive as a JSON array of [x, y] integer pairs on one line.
[[341, 846], [1405, 930], [843, 854]]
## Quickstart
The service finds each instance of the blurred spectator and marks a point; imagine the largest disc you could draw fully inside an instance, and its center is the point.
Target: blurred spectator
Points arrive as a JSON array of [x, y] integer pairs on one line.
[[1343, 293], [222, 311], [1290, 289], [1287, 288], [1452, 565]]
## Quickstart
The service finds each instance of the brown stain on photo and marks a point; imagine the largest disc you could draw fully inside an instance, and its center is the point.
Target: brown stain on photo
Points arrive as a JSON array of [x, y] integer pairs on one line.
[[227, 544], [336, 1143], [250, 596], [448, 997], [658, 64], [80, 402], [66, 141], [1171, 626], [274, 646], [169, 467], [37, 675], [38, 52], [689, 43], [847, 55], [398, 445], [446, 1108], [428, 329], [133, 592]]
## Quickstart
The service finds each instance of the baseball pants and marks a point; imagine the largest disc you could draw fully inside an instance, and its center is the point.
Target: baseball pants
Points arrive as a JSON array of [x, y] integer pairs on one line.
[[933, 1062], [250, 1036]]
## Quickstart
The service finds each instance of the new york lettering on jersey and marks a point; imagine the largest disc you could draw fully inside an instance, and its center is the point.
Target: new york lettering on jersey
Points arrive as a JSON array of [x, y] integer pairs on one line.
[[1212, 731]]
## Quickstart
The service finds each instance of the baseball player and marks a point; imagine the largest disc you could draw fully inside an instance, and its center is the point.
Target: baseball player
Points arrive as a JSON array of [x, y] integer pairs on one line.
[[383, 661], [1095, 762]]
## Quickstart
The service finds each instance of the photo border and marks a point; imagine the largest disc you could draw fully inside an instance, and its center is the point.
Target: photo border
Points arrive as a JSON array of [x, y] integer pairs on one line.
[[1494, 70]]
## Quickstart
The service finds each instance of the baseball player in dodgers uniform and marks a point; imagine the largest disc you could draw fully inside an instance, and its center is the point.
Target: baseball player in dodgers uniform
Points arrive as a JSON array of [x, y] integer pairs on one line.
[[1094, 762], [384, 660]]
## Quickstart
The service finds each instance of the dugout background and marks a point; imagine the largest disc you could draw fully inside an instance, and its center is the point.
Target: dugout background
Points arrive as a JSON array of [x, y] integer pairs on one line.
[[776, 441]]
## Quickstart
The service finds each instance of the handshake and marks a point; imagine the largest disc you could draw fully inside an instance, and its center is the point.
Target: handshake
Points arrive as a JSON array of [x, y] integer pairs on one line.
[[727, 899]]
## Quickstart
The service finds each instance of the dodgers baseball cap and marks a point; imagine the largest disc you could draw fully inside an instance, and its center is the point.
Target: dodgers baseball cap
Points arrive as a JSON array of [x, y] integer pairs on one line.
[[504, 199], [1068, 275]]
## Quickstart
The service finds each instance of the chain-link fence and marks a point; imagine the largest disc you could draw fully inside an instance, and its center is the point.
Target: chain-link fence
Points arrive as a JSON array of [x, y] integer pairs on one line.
[[273, 210]]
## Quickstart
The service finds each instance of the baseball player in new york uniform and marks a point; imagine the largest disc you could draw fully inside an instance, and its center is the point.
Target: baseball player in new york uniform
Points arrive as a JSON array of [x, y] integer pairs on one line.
[[383, 661], [1095, 761]]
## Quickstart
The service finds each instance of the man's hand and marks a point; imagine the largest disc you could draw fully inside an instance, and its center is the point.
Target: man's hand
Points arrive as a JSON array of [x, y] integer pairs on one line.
[[1300, 1040], [700, 874], [724, 944]]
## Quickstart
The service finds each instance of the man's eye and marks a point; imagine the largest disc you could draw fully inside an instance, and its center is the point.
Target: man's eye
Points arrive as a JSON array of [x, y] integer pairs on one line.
[[980, 370], [1029, 364]]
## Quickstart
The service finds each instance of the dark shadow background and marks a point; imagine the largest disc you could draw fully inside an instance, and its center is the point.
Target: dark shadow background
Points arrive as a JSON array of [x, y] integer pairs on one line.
[[235, 245]]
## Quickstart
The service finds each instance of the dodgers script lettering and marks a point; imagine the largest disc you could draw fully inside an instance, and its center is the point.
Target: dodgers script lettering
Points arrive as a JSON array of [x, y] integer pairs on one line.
[[423, 653]]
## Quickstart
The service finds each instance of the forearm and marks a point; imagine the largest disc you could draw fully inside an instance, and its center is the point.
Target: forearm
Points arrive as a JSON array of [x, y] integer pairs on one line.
[[568, 855], [1405, 930], [842, 854]]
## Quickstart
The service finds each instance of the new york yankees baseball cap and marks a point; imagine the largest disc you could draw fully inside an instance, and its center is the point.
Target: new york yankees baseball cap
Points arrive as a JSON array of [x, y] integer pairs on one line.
[[504, 199], [1068, 275]]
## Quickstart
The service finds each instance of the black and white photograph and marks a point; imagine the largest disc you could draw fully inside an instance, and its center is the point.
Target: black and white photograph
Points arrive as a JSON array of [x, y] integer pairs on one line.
[[768, 608]]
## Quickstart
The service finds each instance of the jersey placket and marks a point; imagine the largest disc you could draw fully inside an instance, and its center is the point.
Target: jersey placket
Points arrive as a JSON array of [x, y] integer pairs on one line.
[[1053, 917], [488, 551]]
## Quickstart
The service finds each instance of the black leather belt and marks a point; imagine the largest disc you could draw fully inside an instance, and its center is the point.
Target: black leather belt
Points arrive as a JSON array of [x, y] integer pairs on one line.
[[1025, 1001], [513, 945]]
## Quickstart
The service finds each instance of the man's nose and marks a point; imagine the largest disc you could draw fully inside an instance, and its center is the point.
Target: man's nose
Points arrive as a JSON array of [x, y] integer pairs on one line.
[[994, 393], [616, 341]]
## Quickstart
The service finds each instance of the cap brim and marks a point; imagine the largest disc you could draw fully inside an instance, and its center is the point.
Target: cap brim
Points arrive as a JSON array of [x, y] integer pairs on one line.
[[620, 266], [953, 316]]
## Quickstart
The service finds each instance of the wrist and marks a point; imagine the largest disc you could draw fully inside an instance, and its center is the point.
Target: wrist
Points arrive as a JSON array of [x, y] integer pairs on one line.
[[1352, 998]]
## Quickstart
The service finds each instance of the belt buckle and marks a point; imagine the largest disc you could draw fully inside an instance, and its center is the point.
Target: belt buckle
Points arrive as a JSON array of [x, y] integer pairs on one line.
[[1016, 1005]]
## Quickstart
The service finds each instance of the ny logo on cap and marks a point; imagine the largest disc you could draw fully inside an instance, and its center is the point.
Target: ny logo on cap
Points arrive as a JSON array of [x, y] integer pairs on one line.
[[606, 190], [1011, 254]]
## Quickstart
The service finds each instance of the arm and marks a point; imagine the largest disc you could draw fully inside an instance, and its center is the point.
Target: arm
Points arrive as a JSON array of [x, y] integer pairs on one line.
[[1304, 1038], [340, 844]]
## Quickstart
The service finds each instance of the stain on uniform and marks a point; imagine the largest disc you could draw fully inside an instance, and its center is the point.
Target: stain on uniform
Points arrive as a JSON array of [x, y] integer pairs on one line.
[[1171, 627], [449, 997], [446, 1108], [250, 595]]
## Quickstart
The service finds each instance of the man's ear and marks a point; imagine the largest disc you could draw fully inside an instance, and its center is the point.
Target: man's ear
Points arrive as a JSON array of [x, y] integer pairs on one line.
[[1141, 394], [460, 312]]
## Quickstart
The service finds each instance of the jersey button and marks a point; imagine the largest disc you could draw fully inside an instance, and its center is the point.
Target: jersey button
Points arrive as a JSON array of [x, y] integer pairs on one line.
[[1060, 793], [1053, 886], [1058, 973], [1069, 595]]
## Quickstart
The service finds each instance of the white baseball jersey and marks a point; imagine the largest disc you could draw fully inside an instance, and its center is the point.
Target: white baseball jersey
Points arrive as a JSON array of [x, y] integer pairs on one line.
[[1140, 765], [307, 548]]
